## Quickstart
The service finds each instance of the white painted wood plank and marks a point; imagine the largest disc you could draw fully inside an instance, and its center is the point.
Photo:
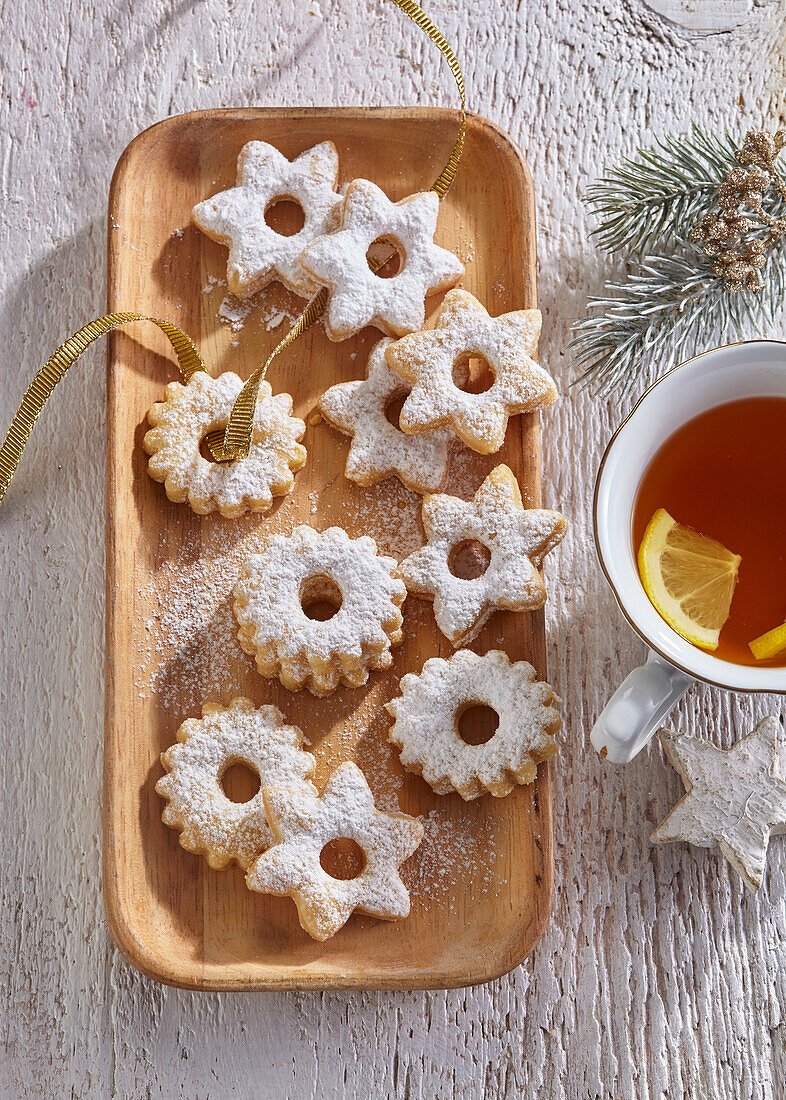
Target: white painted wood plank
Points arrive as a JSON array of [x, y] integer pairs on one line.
[[658, 976]]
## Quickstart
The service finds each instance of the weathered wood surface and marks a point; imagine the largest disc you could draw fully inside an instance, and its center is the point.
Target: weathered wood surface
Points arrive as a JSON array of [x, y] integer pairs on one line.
[[659, 976]]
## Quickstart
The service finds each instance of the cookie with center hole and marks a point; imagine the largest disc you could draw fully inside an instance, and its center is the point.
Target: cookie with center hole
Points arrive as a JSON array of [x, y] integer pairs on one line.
[[178, 452], [481, 555], [428, 723], [239, 217], [304, 825], [431, 360], [211, 823], [359, 294], [318, 609]]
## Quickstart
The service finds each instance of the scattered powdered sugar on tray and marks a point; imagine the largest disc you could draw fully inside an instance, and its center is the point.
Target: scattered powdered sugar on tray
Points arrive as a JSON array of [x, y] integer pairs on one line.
[[451, 851], [272, 316], [192, 653], [234, 311], [213, 283]]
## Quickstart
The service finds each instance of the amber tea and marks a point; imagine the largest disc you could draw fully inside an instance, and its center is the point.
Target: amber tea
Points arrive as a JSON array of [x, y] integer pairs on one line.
[[724, 474]]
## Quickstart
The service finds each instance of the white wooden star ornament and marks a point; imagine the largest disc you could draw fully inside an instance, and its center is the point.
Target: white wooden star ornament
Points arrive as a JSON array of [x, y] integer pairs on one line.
[[734, 799]]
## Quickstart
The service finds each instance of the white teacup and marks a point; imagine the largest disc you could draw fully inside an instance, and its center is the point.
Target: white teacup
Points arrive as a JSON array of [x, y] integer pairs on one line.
[[755, 368]]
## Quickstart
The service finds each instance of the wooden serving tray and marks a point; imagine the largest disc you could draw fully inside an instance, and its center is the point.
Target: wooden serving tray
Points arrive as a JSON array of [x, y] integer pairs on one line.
[[481, 883]]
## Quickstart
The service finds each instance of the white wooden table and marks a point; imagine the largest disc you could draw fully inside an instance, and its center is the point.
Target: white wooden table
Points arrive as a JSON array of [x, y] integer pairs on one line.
[[658, 975]]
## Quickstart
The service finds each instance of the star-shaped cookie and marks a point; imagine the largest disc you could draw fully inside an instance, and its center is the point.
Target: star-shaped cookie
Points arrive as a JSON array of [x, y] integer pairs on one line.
[[464, 329], [734, 799], [257, 253], [359, 297], [303, 825], [515, 539], [379, 449]]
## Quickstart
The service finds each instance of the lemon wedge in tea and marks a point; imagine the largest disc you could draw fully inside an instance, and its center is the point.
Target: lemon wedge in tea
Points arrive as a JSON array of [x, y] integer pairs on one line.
[[689, 578], [770, 644]]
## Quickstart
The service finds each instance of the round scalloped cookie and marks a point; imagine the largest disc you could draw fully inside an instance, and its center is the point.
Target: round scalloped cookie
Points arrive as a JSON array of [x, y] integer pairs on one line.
[[212, 824], [347, 576], [431, 704], [189, 413]]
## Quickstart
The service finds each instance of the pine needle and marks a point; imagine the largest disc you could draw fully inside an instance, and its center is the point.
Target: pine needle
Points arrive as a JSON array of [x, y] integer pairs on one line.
[[668, 308], [655, 195]]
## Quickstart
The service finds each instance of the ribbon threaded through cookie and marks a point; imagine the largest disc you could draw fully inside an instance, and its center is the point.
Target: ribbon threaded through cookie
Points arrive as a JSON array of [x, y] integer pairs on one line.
[[233, 442]]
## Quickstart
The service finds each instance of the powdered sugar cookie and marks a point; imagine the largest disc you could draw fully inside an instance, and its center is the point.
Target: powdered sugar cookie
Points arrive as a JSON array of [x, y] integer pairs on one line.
[[428, 712], [512, 539], [303, 824], [236, 218], [189, 413], [464, 329], [212, 824], [358, 297], [354, 591], [379, 449]]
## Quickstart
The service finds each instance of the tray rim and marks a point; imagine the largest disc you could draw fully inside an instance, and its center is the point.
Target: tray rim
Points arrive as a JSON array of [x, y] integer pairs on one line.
[[135, 950]]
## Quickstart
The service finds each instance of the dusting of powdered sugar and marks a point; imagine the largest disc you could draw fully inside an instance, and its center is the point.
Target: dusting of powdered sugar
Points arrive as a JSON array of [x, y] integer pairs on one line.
[[234, 311], [213, 283], [191, 652], [453, 850]]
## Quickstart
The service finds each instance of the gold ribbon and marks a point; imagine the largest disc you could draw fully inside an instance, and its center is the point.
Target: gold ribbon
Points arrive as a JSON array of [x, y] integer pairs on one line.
[[235, 441], [38, 392]]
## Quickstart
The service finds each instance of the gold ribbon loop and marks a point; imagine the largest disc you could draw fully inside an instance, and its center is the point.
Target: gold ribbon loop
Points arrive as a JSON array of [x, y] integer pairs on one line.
[[40, 389], [236, 441]]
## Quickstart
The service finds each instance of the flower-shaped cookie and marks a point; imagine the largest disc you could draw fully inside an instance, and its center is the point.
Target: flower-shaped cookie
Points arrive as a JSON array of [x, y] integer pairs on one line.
[[303, 824], [379, 449], [464, 329], [359, 297], [190, 412], [430, 708], [211, 823], [279, 590], [257, 253], [516, 539]]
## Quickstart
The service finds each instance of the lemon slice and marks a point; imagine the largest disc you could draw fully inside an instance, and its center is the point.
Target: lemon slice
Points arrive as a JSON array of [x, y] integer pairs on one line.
[[688, 577], [769, 644]]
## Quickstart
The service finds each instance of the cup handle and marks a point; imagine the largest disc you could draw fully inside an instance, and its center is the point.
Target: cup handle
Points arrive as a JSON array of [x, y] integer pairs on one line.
[[637, 708]]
